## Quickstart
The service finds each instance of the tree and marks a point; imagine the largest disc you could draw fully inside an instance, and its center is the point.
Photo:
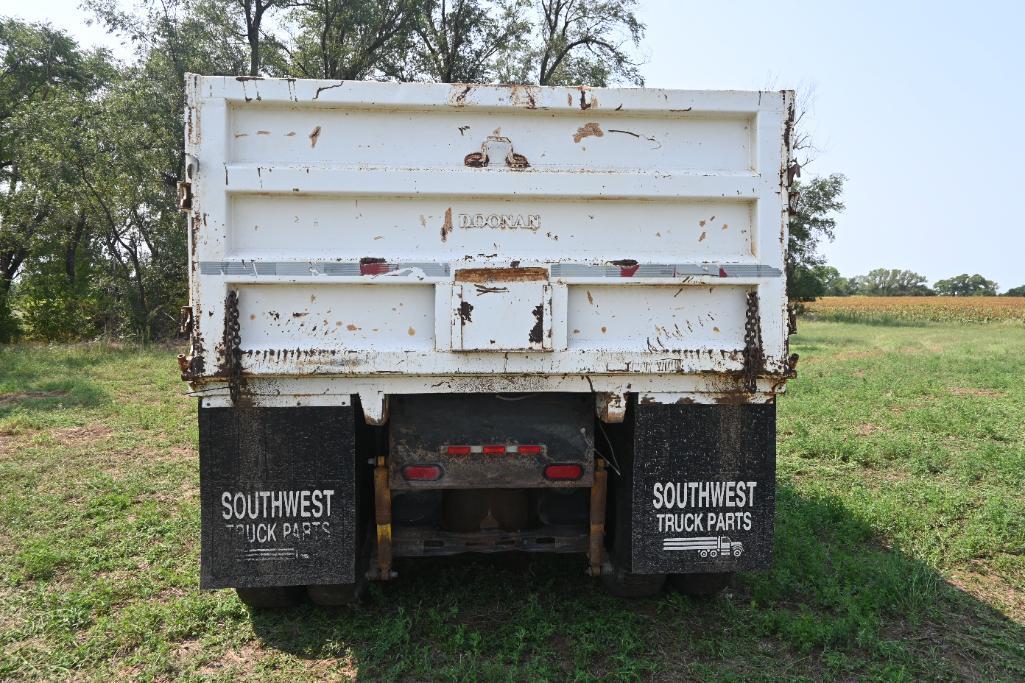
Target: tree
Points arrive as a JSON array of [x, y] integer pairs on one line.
[[584, 42], [38, 66], [462, 41], [966, 285], [1015, 291], [253, 12], [833, 283], [348, 40], [891, 282], [812, 219]]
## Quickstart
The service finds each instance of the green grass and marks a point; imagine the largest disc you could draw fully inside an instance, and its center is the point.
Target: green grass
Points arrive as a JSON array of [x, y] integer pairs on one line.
[[900, 541]]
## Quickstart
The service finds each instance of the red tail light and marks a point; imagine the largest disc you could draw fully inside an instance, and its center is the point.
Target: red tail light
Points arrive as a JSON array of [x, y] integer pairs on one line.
[[528, 450], [493, 450], [564, 472], [458, 450], [421, 472]]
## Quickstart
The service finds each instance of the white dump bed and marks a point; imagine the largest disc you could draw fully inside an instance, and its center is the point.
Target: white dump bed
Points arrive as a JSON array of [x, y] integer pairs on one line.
[[382, 238]]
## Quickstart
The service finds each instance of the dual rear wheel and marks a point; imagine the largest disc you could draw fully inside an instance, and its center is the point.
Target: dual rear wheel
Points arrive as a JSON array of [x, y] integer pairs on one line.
[[619, 583], [276, 597], [623, 584]]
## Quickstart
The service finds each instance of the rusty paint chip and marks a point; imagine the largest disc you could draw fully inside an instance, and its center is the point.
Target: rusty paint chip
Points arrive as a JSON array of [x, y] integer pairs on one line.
[[465, 309], [587, 130], [537, 330], [314, 136]]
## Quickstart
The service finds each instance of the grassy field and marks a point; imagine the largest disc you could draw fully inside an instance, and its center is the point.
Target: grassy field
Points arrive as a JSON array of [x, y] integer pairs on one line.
[[900, 541]]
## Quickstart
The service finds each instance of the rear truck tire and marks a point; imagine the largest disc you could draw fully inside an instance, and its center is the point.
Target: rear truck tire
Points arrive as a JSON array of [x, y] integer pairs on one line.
[[624, 584], [274, 597], [702, 585]]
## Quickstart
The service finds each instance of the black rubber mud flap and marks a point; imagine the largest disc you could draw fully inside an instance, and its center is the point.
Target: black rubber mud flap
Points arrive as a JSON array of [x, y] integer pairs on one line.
[[698, 488], [279, 496]]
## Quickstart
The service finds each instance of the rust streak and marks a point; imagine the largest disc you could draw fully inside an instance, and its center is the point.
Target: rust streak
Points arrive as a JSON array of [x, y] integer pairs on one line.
[[314, 136], [446, 227], [486, 275], [460, 98]]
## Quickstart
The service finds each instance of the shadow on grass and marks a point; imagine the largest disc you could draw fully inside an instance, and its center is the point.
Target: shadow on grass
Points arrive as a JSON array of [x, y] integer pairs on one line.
[[835, 604], [36, 380]]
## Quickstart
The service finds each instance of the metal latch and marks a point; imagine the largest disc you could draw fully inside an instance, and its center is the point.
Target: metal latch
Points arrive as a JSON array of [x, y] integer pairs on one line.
[[496, 146], [185, 196], [185, 188], [185, 321]]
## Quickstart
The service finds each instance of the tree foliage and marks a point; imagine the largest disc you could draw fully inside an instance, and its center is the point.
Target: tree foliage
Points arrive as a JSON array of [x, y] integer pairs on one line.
[[966, 285], [812, 219], [1015, 291], [890, 282], [91, 149]]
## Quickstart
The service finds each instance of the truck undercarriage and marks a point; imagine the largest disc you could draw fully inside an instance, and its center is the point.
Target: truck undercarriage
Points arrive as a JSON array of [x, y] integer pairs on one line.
[[317, 498]]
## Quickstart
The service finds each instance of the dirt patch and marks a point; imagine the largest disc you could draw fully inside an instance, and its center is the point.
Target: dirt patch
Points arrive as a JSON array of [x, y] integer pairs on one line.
[[80, 436], [992, 590], [855, 355], [19, 396], [971, 391], [867, 429], [891, 476]]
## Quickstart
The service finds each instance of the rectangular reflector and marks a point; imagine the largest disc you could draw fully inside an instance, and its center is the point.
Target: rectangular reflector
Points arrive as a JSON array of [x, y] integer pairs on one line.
[[529, 450], [493, 450], [421, 472], [458, 450], [564, 472]]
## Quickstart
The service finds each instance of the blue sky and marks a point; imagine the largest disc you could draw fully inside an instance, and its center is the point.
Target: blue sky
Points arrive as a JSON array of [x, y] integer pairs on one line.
[[918, 103]]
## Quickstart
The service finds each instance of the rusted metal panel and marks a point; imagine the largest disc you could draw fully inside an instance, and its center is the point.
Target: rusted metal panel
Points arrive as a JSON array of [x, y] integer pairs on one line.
[[630, 230]]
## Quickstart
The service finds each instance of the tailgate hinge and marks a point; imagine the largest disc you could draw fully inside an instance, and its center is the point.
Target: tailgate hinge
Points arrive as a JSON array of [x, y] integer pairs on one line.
[[185, 196]]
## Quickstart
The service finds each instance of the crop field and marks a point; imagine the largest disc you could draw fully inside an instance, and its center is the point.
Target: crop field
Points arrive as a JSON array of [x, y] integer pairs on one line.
[[895, 310], [899, 542]]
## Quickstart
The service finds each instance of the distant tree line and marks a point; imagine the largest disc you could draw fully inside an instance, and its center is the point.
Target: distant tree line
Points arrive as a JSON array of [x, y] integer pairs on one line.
[[91, 148], [824, 280]]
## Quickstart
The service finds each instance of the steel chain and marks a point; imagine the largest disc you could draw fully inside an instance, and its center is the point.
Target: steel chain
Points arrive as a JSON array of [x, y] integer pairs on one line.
[[233, 345], [753, 358]]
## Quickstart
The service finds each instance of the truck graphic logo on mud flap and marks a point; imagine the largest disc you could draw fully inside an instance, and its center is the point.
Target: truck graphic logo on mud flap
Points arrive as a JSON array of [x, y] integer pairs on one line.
[[706, 546]]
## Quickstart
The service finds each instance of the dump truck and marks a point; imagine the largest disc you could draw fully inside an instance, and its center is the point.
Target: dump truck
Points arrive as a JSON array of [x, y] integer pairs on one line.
[[440, 319]]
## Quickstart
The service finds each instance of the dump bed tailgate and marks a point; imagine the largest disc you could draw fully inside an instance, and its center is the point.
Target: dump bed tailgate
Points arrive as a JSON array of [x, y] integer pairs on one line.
[[352, 237]]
